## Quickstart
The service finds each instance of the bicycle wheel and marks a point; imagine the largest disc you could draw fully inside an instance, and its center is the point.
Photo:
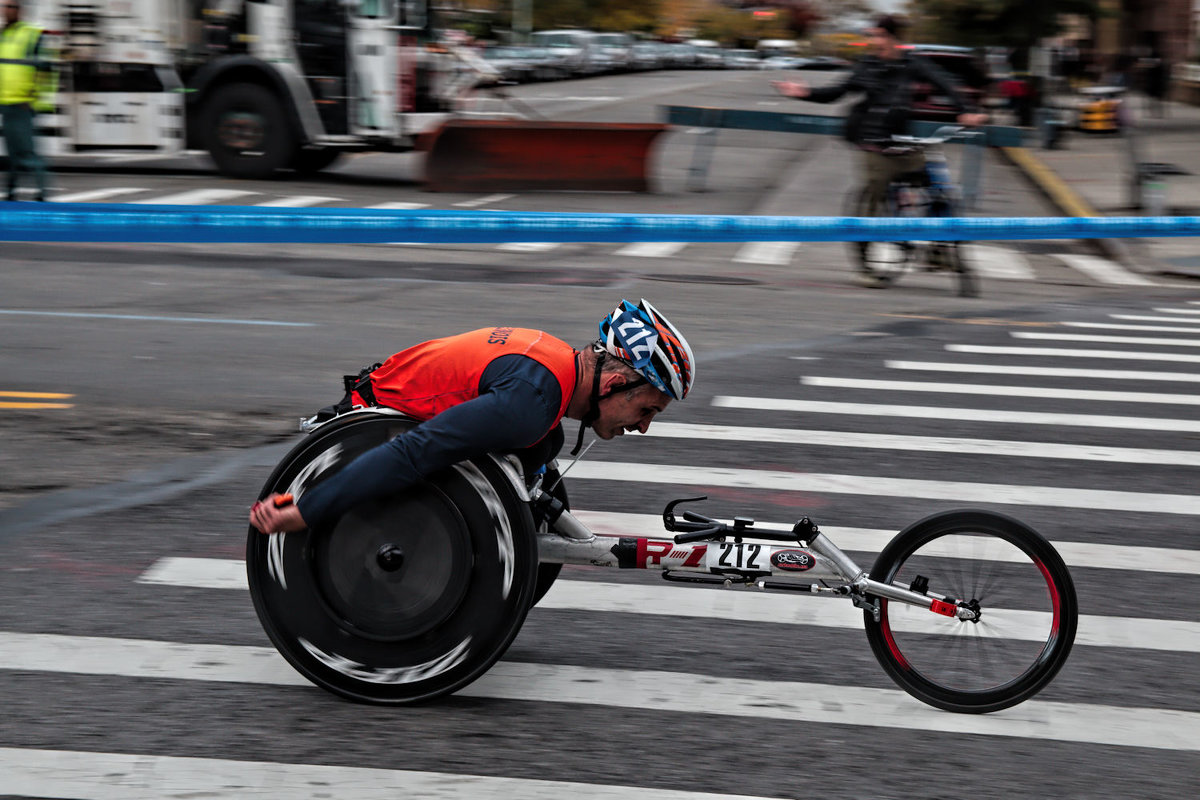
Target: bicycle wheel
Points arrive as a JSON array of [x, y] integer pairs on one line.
[[1027, 612], [882, 263], [950, 256], [402, 599]]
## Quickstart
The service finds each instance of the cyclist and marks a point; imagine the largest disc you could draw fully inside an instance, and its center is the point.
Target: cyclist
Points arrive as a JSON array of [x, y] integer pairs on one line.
[[884, 77], [498, 389]]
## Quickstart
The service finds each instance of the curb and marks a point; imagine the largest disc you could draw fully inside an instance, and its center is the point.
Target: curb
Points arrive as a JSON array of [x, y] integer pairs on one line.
[[1068, 201]]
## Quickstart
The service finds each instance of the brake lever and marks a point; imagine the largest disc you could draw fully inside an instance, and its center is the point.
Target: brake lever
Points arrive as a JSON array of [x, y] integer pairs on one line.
[[669, 520]]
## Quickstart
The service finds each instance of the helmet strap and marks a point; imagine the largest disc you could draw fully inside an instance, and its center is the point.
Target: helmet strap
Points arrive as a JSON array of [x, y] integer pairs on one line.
[[593, 412]]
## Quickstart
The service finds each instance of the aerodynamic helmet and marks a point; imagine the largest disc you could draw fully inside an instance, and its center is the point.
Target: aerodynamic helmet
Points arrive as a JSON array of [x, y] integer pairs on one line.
[[646, 340]]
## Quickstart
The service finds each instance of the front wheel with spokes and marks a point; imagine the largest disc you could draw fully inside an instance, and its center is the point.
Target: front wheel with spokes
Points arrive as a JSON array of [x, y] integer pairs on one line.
[[1022, 596]]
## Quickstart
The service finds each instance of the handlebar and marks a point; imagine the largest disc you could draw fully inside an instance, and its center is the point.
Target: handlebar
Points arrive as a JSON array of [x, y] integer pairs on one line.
[[939, 136], [698, 528]]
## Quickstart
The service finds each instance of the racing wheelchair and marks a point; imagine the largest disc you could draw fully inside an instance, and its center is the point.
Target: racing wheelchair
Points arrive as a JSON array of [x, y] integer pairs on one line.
[[416, 595]]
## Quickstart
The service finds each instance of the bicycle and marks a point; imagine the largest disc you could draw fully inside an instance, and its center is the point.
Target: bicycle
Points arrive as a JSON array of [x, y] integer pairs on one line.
[[413, 597], [928, 192]]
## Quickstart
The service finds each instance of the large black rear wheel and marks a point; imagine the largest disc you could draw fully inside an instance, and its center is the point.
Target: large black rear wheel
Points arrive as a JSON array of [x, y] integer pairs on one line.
[[402, 599]]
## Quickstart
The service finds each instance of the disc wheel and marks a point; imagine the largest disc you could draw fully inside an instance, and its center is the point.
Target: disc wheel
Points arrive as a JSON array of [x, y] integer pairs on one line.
[[1027, 612], [402, 599]]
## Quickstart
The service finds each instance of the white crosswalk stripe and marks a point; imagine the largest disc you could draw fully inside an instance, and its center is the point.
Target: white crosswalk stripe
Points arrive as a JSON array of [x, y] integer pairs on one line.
[[94, 195], [1103, 270], [992, 390], [774, 253], [297, 201], [1071, 353], [119, 776], [196, 197], [1050, 372], [999, 263], [1084, 337], [652, 249], [614, 688]]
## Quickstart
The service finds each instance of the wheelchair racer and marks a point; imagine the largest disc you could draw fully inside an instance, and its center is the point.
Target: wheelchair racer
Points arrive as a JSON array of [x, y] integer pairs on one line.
[[498, 390]]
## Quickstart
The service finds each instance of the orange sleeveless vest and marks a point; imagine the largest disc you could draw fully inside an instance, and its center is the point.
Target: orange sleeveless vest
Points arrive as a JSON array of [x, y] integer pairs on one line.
[[428, 378]]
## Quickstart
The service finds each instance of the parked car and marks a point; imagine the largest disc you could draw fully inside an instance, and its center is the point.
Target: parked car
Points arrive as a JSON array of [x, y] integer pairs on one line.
[[824, 62], [645, 55], [514, 64], [615, 50], [966, 70], [575, 49], [741, 59]]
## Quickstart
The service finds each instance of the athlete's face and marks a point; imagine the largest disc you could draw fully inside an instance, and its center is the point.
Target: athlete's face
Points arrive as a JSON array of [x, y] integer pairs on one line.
[[628, 411]]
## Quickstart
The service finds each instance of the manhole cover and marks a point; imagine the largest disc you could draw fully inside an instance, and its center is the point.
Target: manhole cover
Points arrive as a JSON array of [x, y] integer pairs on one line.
[[729, 280]]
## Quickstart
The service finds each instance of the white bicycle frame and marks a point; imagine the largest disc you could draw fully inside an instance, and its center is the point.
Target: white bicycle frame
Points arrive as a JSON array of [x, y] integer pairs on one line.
[[804, 566]]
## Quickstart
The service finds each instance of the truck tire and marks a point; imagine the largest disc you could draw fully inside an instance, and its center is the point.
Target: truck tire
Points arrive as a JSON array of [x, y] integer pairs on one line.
[[311, 160], [246, 131]]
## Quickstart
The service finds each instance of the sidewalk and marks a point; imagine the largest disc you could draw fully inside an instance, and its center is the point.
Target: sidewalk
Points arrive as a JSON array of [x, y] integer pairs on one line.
[[1090, 174]]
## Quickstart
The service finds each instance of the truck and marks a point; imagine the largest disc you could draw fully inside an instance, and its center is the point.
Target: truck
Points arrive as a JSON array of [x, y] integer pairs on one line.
[[262, 85]]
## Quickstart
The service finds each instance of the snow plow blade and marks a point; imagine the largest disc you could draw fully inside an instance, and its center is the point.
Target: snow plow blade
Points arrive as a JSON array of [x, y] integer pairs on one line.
[[477, 155]]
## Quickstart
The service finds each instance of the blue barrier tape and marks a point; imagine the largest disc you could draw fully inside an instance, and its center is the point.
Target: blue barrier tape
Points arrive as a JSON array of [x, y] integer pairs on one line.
[[94, 222]]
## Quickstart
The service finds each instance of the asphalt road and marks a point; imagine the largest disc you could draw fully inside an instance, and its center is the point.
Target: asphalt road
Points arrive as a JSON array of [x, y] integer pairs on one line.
[[186, 368]]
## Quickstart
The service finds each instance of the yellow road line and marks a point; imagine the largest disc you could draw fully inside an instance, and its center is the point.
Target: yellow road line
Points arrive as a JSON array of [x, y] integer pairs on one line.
[[1066, 198], [38, 395], [36, 405]]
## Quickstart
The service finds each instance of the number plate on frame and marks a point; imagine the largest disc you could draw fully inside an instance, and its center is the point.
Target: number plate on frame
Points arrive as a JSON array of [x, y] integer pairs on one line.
[[725, 556]]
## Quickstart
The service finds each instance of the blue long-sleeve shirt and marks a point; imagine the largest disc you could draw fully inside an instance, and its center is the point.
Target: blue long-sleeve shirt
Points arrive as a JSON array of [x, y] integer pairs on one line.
[[517, 406]]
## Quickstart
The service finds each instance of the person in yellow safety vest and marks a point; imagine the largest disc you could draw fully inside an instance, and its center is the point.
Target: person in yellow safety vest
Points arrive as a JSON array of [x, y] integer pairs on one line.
[[26, 87]]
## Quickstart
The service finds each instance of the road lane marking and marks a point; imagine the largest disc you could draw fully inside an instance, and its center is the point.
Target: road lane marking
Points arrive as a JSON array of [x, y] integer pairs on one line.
[[776, 253], [645, 690], [399, 205], [94, 195], [1063, 352], [963, 492], [195, 197], [120, 776], [1085, 337], [483, 201], [297, 201], [744, 605], [33, 406], [998, 263], [1141, 318], [926, 444], [38, 395], [529, 247], [1102, 270], [1178, 310], [1116, 326], [965, 414], [1049, 372], [146, 318], [1019, 392], [652, 249]]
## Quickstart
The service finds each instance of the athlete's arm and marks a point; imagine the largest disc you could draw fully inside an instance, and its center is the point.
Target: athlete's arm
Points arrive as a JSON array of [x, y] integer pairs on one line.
[[517, 406]]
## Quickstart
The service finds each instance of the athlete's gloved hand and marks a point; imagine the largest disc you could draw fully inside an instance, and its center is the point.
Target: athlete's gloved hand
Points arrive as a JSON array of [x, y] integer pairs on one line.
[[277, 514]]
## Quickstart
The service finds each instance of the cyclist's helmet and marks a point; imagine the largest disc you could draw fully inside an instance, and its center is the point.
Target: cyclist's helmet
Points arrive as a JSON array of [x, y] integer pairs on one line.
[[646, 340]]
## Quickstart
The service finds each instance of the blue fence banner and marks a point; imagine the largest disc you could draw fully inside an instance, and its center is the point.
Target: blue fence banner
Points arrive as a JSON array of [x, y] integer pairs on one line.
[[103, 222]]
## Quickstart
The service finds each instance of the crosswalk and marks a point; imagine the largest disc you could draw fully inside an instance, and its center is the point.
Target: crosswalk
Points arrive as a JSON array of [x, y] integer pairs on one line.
[[1105, 467], [989, 261]]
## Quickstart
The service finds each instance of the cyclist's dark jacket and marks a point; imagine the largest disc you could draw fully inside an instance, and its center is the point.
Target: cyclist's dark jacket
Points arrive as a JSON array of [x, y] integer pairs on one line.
[[494, 389], [886, 84]]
